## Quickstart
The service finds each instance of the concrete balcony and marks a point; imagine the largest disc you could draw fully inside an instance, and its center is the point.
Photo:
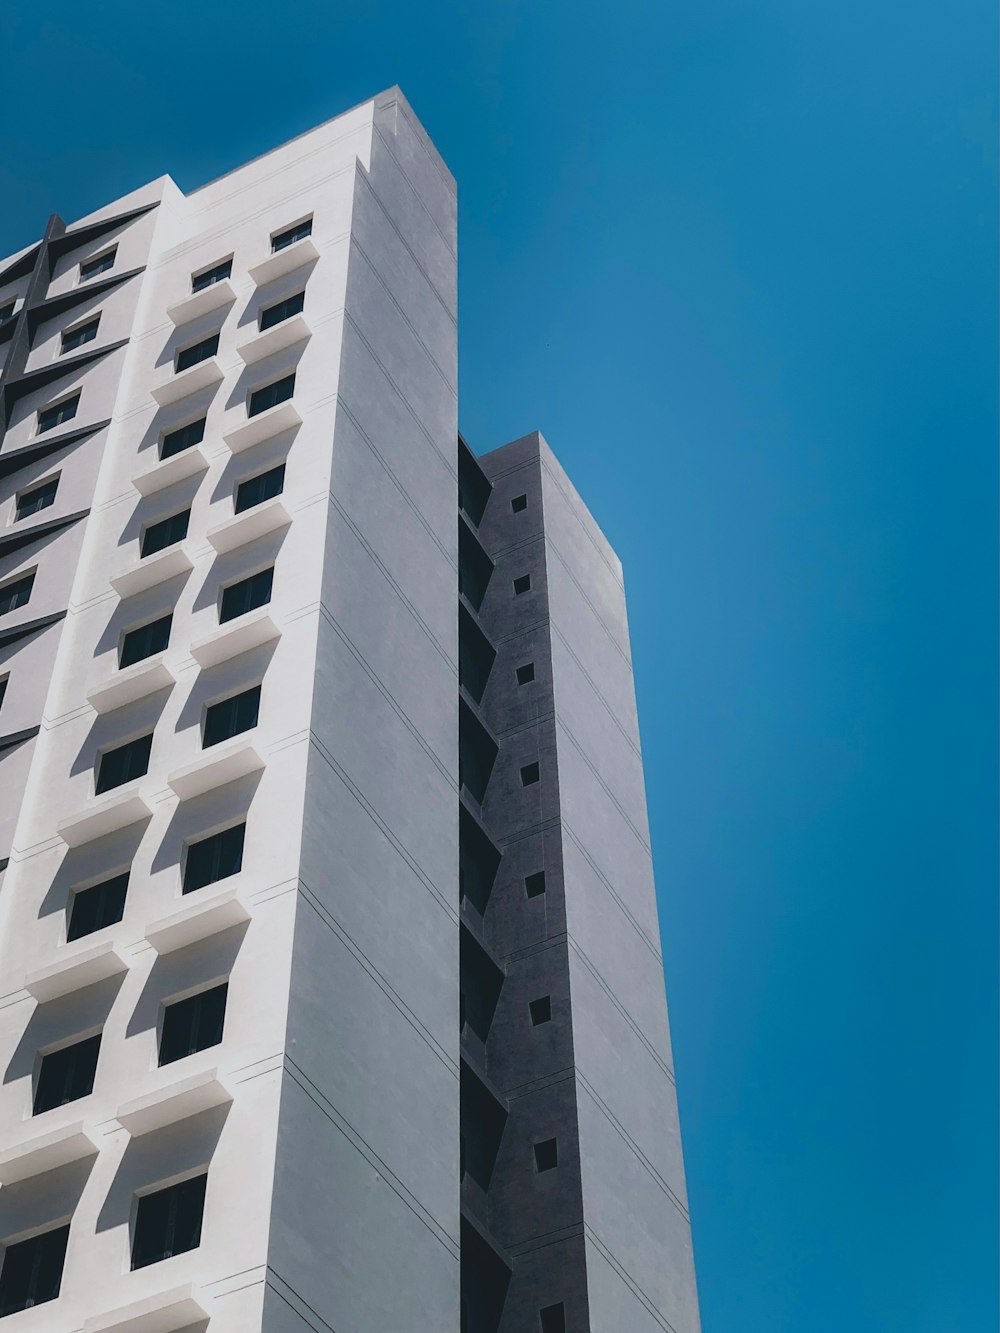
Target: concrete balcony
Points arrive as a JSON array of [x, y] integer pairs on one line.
[[166, 1312], [45, 1152], [150, 570], [235, 637], [287, 334], [264, 426], [75, 968], [104, 814], [193, 380], [168, 471], [285, 261], [248, 526], [210, 298], [135, 682], [204, 913], [215, 767], [173, 1098]]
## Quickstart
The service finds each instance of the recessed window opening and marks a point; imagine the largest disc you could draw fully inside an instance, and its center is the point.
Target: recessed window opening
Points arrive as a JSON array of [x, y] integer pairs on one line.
[[283, 239], [32, 1270], [145, 641], [4, 680], [166, 532], [7, 311], [286, 309], [270, 395], [123, 764], [534, 885], [552, 1318], [519, 503], [100, 905], [529, 775], [90, 268], [168, 1221], [231, 717], [213, 858], [522, 584], [264, 486], [66, 1075], [35, 498], [57, 414], [195, 353], [540, 1010], [210, 276], [246, 595], [184, 437], [546, 1155], [193, 1024], [74, 338], [16, 592], [526, 673]]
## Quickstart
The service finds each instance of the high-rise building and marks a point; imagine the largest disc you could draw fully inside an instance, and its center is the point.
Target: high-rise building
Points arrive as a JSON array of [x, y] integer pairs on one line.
[[331, 988]]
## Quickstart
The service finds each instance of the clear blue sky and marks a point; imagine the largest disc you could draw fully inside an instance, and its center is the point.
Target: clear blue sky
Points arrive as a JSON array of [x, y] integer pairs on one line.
[[736, 259]]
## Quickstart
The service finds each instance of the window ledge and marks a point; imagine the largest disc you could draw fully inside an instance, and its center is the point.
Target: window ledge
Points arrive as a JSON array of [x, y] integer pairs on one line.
[[166, 1312], [264, 426], [210, 298], [204, 913], [285, 261], [80, 967], [135, 682], [235, 637], [104, 814], [276, 339], [46, 1152], [215, 767], [251, 524], [195, 378], [174, 1099], [168, 471], [146, 573]]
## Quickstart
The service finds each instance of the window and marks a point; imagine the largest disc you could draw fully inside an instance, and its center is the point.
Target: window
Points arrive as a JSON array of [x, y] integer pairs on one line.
[[90, 268], [534, 885], [255, 490], [167, 532], [3, 687], [247, 595], [522, 584], [519, 503], [214, 858], [83, 333], [229, 717], [529, 775], [526, 674], [193, 1024], [553, 1318], [144, 641], [57, 414], [277, 314], [67, 1074], [191, 355], [124, 763], [546, 1155], [99, 906], [283, 239], [540, 1010], [210, 276], [7, 311], [271, 395], [168, 1222], [37, 498], [15, 593], [32, 1270], [185, 437]]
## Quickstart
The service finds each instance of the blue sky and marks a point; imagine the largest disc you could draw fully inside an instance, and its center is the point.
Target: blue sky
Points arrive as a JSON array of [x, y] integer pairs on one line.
[[737, 261]]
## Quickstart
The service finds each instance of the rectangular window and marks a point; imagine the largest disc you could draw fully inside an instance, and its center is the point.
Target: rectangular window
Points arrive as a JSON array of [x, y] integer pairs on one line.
[[58, 414], [231, 717], [522, 584], [168, 1222], [185, 437], [546, 1155], [255, 490], [552, 1318], [16, 593], [167, 532], [247, 595], [124, 763], [210, 276], [534, 885], [32, 1270], [99, 906], [83, 333], [144, 641], [200, 351], [213, 858], [193, 1024], [7, 311], [66, 1075], [90, 268], [526, 673], [37, 498], [281, 240], [271, 395], [4, 680], [529, 775], [540, 1010], [277, 314], [519, 503]]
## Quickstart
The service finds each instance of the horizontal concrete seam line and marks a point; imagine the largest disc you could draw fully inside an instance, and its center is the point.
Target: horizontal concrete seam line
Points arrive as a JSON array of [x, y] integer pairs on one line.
[[631, 1144], [278, 1055], [258, 1073], [629, 1281], [519, 955], [369, 550], [260, 1269], [438, 165], [546, 1239], [359, 657], [269, 895], [505, 840], [501, 552], [387, 989], [51, 723], [612, 891], [532, 724], [574, 507], [536, 1085], [439, 1232], [533, 627], [633, 746], [14, 997], [19, 854], [564, 727], [550, 546], [449, 910], [637, 1030], [235, 1291], [452, 251], [526, 465], [318, 1327]]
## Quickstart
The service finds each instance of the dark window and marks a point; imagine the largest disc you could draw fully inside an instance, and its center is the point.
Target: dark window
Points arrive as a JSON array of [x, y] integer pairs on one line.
[[67, 1075], [3, 688], [49, 417], [83, 333], [193, 1024], [526, 673], [16, 593], [283, 239], [7, 311], [522, 584], [190, 356], [277, 314], [255, 490], [144, 641], [540, 1010], [553, 1318], [546, 1155], [229, 717], [271, 395], [185, 437], [211, 276], [534, 885], [247, 595], [167, 532], [214, 858], [529, 775], [519, 503], [168, 1222], [32, 1271], [124, 763], [99, 906], [99, 264], [39, 497]]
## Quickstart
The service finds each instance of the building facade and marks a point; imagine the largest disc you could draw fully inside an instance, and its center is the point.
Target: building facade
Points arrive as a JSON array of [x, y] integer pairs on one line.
[[330, 986]]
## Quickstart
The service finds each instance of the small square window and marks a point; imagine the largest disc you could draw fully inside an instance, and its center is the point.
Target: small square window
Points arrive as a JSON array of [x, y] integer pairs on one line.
[[540, 1010], [167, 532], [519, 503], [553, 1318], [246, 595], [196, 353], [255, 490], [32, 1270], [145, 641], [16, 592], [123, 764], [193, 1024], [37, 498], [534, 885], [213, 858], [210, 276], [58, 414], [522, 584], [231, 717], [526, 673], [277, 314], [546, 1155], [270, 395], [168, 1221], [99, 906], [283, 239], [529, 775], [185, 437], [66, 1075], [90, 268], [7, 311]]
